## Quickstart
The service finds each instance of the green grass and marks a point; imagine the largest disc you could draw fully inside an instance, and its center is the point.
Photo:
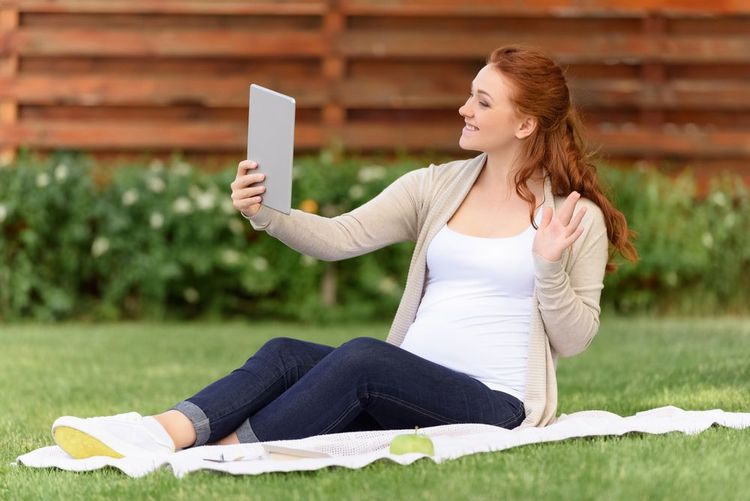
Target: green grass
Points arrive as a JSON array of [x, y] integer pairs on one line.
[[634, 364]]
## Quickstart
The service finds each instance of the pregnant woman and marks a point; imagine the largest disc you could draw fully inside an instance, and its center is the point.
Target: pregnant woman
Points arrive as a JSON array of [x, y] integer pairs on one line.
[[511, 250]]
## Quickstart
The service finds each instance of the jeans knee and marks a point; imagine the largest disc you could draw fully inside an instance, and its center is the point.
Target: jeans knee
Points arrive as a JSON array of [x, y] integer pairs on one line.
[[362, 344], [279, 346], [362, 351]]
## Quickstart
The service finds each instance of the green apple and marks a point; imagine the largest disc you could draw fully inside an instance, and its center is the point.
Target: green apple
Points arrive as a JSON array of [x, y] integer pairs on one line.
[[412, 442]]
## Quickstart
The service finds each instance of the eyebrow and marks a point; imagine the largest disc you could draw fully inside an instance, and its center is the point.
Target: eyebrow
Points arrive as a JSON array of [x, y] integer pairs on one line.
[[485, 93]]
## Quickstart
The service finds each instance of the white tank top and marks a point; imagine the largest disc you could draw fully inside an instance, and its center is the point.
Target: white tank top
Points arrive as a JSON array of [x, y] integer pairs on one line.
[[475, 313]]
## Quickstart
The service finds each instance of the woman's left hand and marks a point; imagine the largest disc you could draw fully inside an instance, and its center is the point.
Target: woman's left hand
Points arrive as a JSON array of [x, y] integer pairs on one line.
[[555, 234]]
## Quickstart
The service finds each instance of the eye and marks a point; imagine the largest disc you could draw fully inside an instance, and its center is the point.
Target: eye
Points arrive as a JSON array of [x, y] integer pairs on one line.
[[481, 103]]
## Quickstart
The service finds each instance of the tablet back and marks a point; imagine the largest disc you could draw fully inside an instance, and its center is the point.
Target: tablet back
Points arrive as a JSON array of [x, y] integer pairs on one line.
[[270, 142]]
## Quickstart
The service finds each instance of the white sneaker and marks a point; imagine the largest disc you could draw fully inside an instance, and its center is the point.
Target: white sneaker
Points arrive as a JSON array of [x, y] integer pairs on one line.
[[116, 436]]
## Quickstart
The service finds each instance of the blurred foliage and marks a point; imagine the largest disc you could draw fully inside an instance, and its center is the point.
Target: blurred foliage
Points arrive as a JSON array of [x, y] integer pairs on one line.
[[162, 240], [694, 251]]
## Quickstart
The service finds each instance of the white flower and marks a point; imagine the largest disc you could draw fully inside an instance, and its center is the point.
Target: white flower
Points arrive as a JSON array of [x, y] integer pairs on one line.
[[387, 285], [42, 180], [260, 263], [129, 197], [181, 168], [100, 246], [191, 295], [156, 165], [308, 260], [155, 184], [182, 205], [230, 257], [730, 219], [156, 220], [671, 278], [356, 192], [708, 240], [371, 173], [61, 172], [205, 201], [3, 212], [719, 199], [236, 226], [227, 206]]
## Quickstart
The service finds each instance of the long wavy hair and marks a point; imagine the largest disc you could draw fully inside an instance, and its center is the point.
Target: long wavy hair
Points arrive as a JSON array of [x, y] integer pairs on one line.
[[557, 147]]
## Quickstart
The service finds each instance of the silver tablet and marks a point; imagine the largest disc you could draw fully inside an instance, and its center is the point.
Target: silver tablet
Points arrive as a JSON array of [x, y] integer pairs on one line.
[[270, 142]]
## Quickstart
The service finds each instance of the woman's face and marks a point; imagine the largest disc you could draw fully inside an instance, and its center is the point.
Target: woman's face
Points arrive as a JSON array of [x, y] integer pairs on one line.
[[492, 123]]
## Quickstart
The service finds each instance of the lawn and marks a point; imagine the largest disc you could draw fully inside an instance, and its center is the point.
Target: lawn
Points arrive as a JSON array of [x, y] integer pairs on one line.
[[634, 364]]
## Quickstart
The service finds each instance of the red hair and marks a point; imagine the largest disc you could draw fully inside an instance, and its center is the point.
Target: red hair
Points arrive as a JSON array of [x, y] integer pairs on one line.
[[556, 145]]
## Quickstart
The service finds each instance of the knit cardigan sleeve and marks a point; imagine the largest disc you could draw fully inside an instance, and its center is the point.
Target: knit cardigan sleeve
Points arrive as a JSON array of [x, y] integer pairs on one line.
[[569, 292], [390, 217]]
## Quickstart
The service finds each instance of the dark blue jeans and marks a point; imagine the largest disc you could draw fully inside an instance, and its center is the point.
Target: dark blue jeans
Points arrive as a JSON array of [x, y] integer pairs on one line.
[[294, 389]]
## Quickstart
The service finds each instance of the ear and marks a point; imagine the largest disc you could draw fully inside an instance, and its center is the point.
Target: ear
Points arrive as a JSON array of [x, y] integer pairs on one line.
[[526, 127]]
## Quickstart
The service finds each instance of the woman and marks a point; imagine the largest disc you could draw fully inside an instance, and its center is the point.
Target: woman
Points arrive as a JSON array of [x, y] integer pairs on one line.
[[511, 250]]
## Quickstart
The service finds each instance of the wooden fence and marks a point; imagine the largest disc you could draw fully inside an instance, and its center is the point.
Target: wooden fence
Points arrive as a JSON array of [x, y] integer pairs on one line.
[[659, 80]]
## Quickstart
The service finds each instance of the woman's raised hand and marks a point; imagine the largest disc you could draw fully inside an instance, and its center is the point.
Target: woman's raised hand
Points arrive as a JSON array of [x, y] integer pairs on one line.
[[246, 189], [555, 234]]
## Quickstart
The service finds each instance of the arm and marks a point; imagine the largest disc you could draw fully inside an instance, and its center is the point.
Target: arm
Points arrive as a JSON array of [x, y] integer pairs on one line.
[[390, 217], [569, 298]]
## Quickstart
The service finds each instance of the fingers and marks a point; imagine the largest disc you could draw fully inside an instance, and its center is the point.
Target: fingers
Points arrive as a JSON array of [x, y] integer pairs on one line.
[[546, 217], [246, 203], [576, 222], [566, 211], [244, 166], [573, 237], [246, 180], [246, 189], [248, 192]]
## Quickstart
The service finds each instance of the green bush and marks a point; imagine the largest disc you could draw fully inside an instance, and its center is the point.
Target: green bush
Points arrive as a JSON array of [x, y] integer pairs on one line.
[[163, 241], [47, 216], [694, 253]]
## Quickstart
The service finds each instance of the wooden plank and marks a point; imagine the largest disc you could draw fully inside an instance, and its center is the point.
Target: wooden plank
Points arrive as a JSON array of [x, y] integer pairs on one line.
[[403, 7], [185, 113], [8, 69], [614, 140], [710, 49], [152, 135], [156, 43], [484, 8], [618, 141], [220, 7], [611, 48], [404, 93], [96, 90], [195, 67], [537, 7], [149, 22], [705, 95], [451, 91], [666, 141], [461, 45]]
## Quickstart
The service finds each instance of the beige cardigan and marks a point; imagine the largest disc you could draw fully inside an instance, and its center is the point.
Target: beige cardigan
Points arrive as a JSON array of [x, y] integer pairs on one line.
[[415, 207]]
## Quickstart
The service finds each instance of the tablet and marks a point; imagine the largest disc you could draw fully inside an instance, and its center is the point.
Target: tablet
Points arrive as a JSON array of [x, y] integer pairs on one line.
[[270, 143]]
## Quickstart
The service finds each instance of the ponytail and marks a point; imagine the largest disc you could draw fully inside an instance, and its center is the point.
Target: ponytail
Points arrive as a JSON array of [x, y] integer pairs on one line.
[[557, 145]]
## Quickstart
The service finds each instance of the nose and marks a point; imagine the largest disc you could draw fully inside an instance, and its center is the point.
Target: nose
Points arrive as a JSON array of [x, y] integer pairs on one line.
[[464, 109]]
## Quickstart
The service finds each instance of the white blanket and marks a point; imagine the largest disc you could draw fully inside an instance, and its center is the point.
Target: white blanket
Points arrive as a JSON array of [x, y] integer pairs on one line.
[[357, 449]]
